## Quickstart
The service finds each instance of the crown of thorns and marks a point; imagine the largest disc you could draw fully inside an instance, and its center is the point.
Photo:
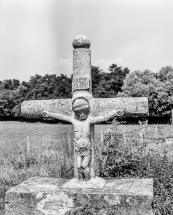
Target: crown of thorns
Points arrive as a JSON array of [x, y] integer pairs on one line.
[[80, 103]]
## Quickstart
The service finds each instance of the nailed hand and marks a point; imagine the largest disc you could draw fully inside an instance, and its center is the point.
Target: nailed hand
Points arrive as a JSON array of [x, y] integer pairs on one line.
[[45, 113]]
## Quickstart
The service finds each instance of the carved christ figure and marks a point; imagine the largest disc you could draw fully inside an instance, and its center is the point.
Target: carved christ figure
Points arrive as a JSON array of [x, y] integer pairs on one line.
[[82, 120], [81, 111]]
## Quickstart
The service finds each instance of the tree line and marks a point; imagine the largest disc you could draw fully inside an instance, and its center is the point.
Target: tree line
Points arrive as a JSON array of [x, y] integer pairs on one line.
[[118, 82]]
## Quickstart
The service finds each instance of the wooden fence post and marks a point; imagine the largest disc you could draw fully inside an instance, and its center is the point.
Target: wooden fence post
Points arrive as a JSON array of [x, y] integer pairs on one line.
[[101, 139], [28, 147], [69, 143], [124, 137], [145, 134], [156, 133]]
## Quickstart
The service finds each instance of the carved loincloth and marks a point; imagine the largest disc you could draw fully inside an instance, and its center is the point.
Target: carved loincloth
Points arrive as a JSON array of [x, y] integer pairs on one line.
[[82, 147]]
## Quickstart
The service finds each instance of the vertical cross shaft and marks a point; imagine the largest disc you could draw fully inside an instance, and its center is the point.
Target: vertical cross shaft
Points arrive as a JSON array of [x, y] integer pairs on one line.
[[81, 84]]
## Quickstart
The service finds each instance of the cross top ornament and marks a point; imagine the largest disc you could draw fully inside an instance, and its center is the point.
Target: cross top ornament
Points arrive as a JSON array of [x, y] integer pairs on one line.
[[84, 111], [81, 41]]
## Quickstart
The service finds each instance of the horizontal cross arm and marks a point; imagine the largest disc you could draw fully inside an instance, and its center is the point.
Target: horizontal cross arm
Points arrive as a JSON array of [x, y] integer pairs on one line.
[[33, 109], [133, 106]]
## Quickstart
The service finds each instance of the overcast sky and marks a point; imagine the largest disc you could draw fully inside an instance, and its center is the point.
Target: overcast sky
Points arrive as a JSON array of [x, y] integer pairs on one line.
[[36, 35]]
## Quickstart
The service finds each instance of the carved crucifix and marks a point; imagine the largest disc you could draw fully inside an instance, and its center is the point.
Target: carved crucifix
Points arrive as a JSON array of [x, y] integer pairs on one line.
[[83, 111]]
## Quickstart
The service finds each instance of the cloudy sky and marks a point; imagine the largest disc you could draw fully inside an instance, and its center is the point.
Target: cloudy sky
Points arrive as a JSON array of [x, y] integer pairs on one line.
[[36, 35]]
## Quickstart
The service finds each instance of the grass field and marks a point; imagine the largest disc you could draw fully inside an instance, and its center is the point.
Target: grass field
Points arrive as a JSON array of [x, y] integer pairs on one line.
[[37, 149], [14, 134]]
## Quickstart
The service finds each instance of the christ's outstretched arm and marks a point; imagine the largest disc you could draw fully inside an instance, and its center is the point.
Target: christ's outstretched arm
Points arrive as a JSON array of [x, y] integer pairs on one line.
[[57, 116], [107, 116]]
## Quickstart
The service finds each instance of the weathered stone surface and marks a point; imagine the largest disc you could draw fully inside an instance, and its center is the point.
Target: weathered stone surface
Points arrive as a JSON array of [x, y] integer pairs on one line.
[[33, 109], [81, 62], [81, 71], [45, 196], [134, 106], [93, 183], [99, 107]]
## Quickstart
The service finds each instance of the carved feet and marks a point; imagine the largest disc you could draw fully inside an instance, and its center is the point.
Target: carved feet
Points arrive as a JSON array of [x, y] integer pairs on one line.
[[96, 182]]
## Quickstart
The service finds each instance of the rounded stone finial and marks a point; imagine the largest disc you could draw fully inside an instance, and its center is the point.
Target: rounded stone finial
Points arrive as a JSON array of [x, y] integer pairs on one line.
[[81, 41]]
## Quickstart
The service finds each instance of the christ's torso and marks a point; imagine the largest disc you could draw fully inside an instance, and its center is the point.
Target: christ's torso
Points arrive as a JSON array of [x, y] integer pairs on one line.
[[82, 129], [82, 137]]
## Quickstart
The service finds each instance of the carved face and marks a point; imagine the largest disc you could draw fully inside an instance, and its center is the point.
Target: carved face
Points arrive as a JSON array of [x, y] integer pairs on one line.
[[82, 114], [81, 108]]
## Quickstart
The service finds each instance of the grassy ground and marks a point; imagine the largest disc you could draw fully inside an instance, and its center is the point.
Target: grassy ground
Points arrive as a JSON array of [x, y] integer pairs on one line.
[[14, 133], [133, 158], [45, 160]]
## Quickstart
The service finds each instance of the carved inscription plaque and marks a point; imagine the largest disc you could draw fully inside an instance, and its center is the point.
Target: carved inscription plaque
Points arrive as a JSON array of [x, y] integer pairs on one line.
[[81, 83]]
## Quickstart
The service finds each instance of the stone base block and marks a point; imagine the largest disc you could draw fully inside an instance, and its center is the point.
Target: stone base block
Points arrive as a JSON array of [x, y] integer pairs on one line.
[[46, 196]]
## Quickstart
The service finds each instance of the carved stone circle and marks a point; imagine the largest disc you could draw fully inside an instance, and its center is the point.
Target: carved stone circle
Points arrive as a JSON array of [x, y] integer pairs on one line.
[[81, 41]]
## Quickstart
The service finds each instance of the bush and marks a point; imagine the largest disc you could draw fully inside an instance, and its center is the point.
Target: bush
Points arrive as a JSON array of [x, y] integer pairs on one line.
[[127, 160]]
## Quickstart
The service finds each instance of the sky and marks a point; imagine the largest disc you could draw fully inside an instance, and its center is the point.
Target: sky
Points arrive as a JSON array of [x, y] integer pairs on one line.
[[36, 35]]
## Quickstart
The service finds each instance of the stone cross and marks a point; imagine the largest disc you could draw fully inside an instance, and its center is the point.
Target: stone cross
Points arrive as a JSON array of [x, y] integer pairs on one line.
[[83, 111]]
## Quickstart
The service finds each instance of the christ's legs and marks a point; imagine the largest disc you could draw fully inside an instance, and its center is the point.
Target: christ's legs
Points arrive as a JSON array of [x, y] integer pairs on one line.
[[79, 166], [78, 160], [85, 166]]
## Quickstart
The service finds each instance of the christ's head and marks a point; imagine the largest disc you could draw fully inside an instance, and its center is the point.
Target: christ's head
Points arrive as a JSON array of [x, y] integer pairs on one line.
[[81, 108]]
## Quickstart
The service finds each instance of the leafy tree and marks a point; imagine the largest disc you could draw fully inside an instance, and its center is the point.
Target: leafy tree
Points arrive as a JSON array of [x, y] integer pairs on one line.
[[148, 84], [110, 83], [63, 87], [6, 102], [117, 76], [96, 77], [158, 87], [165, 74], [6, 84]]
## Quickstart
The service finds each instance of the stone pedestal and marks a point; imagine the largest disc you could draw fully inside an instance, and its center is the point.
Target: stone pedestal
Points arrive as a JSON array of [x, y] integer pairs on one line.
[[46, 196]]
